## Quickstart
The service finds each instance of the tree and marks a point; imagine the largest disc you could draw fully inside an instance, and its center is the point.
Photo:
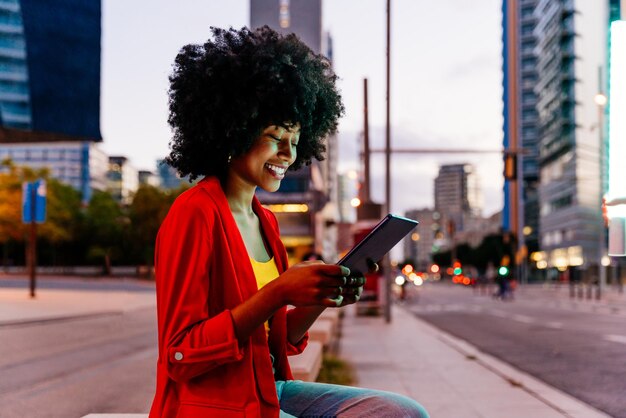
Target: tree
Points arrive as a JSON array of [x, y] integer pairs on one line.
[[147, 211], [64, 224], [11, 226], [103, 228]]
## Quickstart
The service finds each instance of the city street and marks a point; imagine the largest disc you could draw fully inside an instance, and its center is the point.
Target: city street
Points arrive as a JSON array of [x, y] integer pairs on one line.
[[69, 367], [98, 353], [565, 344]]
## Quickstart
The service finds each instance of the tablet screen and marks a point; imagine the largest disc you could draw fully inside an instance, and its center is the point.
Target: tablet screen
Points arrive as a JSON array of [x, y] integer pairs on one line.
[[378, 242]]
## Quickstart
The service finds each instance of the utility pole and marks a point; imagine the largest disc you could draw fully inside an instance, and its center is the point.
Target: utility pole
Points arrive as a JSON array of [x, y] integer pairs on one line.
[[601, 100], [387, 263], [365, 196]]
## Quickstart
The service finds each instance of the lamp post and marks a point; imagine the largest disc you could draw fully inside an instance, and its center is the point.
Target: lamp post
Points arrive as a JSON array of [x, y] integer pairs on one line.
[[601, 100], [387, 263]]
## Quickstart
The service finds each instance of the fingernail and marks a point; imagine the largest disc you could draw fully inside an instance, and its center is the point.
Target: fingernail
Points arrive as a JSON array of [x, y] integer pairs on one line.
[[345, 271], [339, 300]]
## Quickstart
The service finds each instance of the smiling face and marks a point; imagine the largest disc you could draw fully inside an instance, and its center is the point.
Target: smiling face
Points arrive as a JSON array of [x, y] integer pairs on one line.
[[266, 163]]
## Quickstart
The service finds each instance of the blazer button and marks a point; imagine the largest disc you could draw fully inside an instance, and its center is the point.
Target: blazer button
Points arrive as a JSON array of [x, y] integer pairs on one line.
[[178, 355]]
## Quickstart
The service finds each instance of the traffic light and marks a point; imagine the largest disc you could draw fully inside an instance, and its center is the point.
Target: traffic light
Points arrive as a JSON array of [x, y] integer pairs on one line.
[[510, 166], [503, 271], [457, 268]]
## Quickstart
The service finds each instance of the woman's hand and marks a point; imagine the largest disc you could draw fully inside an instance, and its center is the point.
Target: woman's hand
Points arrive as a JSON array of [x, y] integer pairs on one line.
[[312, 283], [354, 285]]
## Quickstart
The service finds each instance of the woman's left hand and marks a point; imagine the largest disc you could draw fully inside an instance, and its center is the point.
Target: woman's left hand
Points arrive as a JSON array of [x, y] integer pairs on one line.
[[352, 290]]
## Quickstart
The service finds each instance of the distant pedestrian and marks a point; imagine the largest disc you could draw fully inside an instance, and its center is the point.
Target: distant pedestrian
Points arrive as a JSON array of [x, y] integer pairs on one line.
[[246, 107]]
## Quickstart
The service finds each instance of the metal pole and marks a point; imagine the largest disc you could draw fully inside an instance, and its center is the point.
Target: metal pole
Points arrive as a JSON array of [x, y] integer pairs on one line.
[[388, 165], [32, 259], [602, 247], [366, 146]]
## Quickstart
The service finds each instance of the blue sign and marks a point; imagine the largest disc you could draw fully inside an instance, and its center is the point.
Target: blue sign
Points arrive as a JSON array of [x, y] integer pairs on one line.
[[34, 201]]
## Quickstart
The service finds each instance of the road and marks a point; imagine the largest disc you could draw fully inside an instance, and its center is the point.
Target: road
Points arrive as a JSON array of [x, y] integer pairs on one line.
[[577, 351], [70, 367]]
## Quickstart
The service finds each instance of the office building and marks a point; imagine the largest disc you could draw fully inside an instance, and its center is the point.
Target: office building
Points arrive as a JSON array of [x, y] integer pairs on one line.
[[427, 238], [80, 164], [148, 178], [123, 179], [50, 66], [302, 17], [565, 134], [306, 205], [50, 88], [168, 176], [458, 196], [521, 129]]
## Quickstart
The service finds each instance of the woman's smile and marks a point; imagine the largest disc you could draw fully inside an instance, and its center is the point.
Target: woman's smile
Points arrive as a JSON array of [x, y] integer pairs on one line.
[[276, 171]]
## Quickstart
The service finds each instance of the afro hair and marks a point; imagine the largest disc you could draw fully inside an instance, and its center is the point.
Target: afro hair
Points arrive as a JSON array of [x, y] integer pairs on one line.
[[224, 93]]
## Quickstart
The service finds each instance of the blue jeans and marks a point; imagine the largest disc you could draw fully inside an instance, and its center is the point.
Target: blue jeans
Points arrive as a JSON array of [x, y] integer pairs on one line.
[[321, 400]]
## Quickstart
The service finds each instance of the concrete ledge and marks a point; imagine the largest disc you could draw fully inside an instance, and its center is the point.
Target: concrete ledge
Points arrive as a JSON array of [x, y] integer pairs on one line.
[[322, 331], [116, 416], [332, 315], [306, 366]]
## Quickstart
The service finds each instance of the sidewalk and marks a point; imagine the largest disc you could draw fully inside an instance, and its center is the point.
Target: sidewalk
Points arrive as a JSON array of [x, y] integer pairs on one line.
[[17, 307], [448, 376], [579, 297]]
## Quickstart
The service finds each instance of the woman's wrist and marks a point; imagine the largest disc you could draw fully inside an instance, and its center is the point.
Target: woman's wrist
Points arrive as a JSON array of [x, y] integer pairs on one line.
[[274, 295]]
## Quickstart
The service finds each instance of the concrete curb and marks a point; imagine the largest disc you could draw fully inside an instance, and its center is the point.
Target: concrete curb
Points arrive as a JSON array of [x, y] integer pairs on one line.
[[551, 396]]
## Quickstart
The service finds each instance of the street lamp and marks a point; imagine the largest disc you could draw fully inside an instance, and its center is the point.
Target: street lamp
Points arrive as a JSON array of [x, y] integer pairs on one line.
[[601, 101]]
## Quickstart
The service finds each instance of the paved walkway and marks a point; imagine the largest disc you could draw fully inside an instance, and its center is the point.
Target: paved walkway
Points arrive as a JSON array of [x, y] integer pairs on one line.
[[449, 377]]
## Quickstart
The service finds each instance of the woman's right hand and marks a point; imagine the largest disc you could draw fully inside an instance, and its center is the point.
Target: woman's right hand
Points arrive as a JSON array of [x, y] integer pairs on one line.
[[311, 283]]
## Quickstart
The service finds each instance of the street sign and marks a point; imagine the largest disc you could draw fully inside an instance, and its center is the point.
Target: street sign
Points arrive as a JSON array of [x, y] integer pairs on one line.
[[34, 201]]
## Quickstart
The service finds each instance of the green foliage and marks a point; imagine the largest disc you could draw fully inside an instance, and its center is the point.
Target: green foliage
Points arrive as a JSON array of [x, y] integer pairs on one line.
[[102, 232], [11, 179], [336, 371], [146, 212], [491, 250], [63, 213]]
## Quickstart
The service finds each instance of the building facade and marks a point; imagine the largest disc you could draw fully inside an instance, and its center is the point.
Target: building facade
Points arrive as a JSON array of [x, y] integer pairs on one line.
[[458, 195], [426, 240], [555, 64], [520, 116], [302, 17], [80, 164], [122, 179], [50, 72], [50, 89], [306, 205]]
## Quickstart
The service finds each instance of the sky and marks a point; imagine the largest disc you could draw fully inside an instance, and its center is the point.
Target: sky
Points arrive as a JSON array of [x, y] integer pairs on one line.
[[446, 88]]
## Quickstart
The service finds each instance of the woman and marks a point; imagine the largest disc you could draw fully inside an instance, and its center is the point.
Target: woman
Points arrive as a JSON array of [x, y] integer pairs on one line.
[[245, 108]]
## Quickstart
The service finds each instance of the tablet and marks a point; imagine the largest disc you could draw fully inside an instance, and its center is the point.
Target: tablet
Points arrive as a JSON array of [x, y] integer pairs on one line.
[[378, 242]]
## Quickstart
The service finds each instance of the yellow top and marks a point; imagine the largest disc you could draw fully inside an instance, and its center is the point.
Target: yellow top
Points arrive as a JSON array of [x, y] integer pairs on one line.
[[264, 273]]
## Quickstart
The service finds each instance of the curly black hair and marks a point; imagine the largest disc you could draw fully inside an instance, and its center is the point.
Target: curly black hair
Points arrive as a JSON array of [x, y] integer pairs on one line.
[[224, 93]]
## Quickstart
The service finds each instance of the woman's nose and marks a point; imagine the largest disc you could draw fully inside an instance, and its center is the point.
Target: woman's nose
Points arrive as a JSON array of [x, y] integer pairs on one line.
[[287, 152]]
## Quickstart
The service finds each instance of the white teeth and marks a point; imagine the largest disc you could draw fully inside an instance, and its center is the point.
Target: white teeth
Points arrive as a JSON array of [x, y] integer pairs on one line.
[[276, 169]]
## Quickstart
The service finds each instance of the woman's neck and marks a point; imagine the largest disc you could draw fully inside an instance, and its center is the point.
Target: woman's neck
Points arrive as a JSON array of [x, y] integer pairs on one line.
[[239, 196]]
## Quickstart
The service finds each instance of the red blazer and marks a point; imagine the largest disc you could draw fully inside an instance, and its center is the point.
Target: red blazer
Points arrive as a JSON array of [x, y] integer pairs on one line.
[[202, 272]]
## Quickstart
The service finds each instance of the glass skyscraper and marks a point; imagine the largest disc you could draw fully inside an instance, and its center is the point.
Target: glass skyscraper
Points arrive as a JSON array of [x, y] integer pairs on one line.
[[554, 68], [50, 88]]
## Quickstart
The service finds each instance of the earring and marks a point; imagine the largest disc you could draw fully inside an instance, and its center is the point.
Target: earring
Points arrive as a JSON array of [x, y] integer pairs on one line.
[[230, 157]]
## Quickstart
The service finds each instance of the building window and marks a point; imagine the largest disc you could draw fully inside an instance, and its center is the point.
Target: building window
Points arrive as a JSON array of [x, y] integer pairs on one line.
[[283, 14], [561, 202]]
